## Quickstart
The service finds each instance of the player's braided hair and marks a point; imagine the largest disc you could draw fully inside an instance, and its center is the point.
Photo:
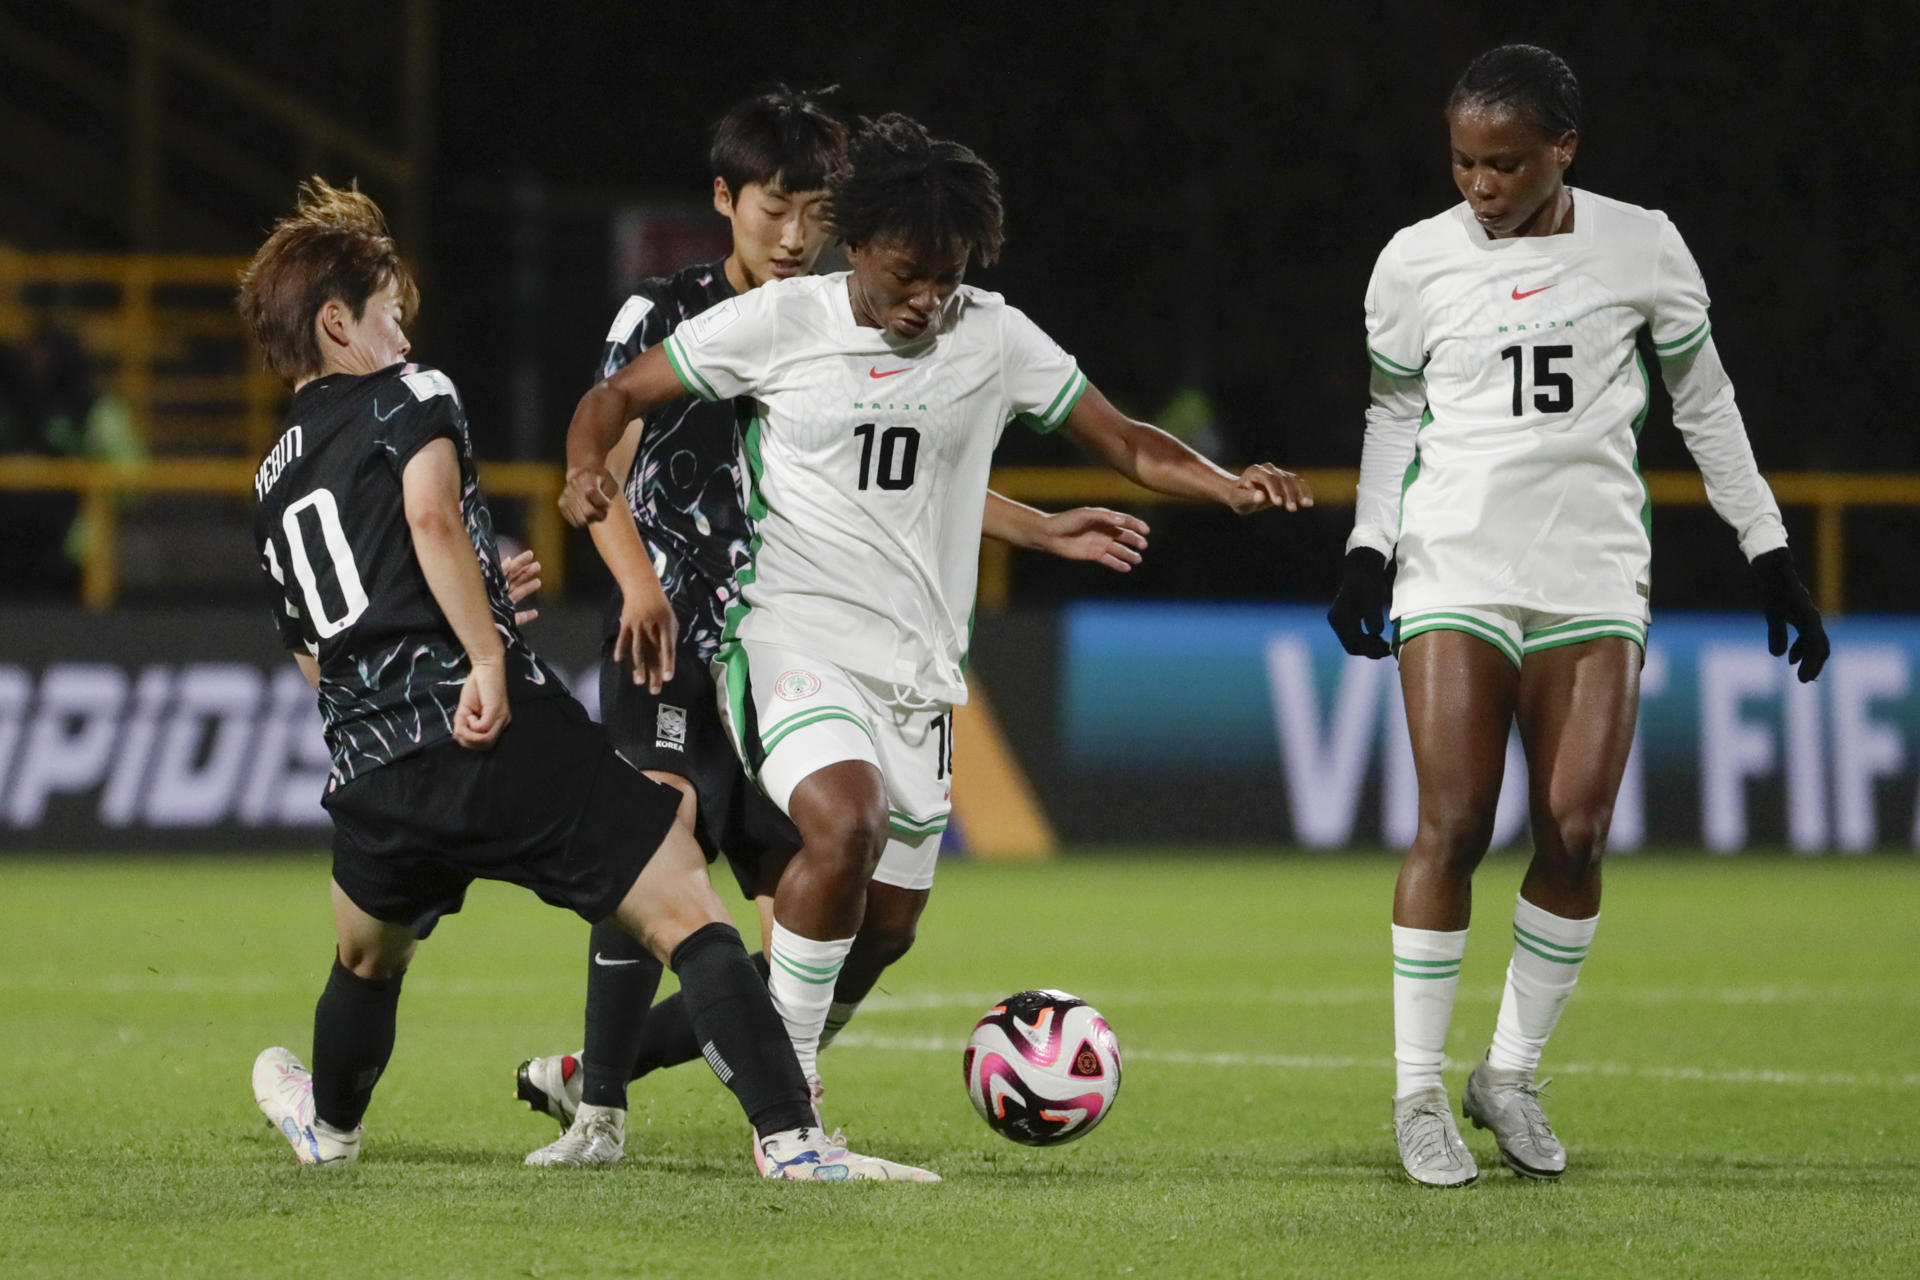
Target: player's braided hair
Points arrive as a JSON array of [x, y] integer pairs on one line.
[[905, 185], [334, 245], [1531, 80], [785, 138]]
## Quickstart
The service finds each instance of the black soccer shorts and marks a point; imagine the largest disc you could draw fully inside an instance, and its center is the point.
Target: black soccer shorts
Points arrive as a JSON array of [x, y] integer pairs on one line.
[[678, 731], [551, 807]]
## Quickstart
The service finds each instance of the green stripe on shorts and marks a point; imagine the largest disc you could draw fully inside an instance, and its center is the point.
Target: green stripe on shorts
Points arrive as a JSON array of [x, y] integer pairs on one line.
[[773, 738], [1413, 625], [905, 824], [1581, 632]]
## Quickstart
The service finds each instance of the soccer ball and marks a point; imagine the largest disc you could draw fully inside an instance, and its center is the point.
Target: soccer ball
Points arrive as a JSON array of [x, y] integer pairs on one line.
[[1042, 1067]]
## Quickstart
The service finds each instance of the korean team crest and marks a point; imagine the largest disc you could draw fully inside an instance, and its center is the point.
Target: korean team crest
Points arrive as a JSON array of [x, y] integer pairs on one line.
[[670, 727], [796, 684]]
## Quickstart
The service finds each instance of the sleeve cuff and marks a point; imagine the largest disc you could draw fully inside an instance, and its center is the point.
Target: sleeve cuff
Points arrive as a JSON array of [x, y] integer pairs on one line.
[[682, 369], [1766, 535], [1050, 418], [1372, 539], [1389, 366]]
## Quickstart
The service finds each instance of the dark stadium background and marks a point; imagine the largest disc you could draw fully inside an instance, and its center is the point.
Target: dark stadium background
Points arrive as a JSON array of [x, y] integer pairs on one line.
[[1196, 194]]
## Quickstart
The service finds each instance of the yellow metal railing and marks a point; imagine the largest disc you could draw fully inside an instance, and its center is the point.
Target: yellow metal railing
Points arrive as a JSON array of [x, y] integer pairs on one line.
[[100, 485], [161, 311], [1830, 494]]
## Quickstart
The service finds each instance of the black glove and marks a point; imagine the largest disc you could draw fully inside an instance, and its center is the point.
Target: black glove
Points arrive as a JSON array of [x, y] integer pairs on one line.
[[1359, 613], [1785, 600]]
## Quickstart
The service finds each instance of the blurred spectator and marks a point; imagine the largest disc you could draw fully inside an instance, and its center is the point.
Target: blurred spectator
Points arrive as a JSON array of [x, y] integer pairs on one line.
[[50, 406]]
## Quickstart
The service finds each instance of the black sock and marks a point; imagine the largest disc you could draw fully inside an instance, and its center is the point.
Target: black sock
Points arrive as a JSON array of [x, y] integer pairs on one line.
[[352, 1040], [739, 1034], [667, 1040], [622, 976]]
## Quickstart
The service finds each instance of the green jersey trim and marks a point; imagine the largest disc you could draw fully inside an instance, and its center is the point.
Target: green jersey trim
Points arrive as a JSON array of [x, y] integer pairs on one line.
[[683, 369], [1392, 368], [1685, 344], [1412, 472], [738, 608], [1050, 418]]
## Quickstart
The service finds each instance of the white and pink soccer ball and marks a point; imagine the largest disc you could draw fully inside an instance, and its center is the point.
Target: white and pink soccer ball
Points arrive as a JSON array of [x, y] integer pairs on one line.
[[1042, 1067]]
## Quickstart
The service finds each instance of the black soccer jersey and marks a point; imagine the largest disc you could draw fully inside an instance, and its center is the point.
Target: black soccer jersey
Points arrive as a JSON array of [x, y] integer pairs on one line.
[[686, 485], [331, 523]]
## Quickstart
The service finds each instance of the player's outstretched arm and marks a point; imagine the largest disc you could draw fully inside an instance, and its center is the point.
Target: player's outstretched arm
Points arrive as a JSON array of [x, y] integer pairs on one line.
[[648, 628], [602, 415], [430, 486], [1112, 538], [1149, 456]]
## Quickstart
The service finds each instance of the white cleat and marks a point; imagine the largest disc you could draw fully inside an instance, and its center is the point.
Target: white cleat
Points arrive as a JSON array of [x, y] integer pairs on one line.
[[598, 1135], [1431, 1152], [552, 1086], [808, 1155], [283, 1089], [1508, 1102]]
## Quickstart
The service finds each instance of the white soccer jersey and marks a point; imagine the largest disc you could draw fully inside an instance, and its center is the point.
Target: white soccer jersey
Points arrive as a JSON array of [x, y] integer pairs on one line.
[[1521, 486], [868, 458]]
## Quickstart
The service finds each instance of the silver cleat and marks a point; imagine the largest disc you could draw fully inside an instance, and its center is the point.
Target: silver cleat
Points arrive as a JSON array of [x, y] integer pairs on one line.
[[598, 1135], [1431, 1151], [1508, 1102]]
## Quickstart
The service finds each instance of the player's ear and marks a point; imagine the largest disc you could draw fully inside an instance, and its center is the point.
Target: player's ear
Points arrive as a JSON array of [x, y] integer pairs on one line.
[[332, 323], [722, 199], [1563, 149]]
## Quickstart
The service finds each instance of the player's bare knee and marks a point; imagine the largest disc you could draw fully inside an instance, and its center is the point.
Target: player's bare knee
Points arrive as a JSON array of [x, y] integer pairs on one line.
[[848, 842], [1572, 842], [1455, 838], [374, 961]]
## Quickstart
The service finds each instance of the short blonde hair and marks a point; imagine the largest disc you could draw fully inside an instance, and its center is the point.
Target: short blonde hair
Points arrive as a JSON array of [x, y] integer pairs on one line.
[[334, 246]]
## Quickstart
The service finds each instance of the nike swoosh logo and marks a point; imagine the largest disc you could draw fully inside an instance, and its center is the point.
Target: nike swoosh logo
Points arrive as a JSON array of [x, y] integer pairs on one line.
[[1519, 296], [610, 964], [873, 371]]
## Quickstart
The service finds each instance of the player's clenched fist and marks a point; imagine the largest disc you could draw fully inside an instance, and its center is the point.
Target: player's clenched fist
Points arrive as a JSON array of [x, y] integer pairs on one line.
[[588, 495], [1263, 486]]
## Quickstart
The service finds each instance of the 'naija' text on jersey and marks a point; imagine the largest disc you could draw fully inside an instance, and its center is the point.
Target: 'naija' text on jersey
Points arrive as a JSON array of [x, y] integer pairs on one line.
[[686, 487], [336, 550], [1522, 487], [869, 457]]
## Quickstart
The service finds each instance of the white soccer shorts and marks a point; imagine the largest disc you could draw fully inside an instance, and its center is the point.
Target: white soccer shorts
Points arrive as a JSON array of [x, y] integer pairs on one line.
[[1517, 632], [791, 714]]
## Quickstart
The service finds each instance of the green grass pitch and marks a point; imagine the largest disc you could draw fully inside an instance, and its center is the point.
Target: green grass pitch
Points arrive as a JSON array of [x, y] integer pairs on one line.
[[1736, 1079]]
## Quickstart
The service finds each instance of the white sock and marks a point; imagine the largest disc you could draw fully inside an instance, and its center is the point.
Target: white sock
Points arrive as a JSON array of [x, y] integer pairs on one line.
[[1547, 951], [839, 1014], [1426, 973], [800, 977]]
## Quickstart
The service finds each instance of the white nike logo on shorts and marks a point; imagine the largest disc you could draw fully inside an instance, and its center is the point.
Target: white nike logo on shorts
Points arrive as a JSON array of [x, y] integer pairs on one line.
[[602, 960]]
